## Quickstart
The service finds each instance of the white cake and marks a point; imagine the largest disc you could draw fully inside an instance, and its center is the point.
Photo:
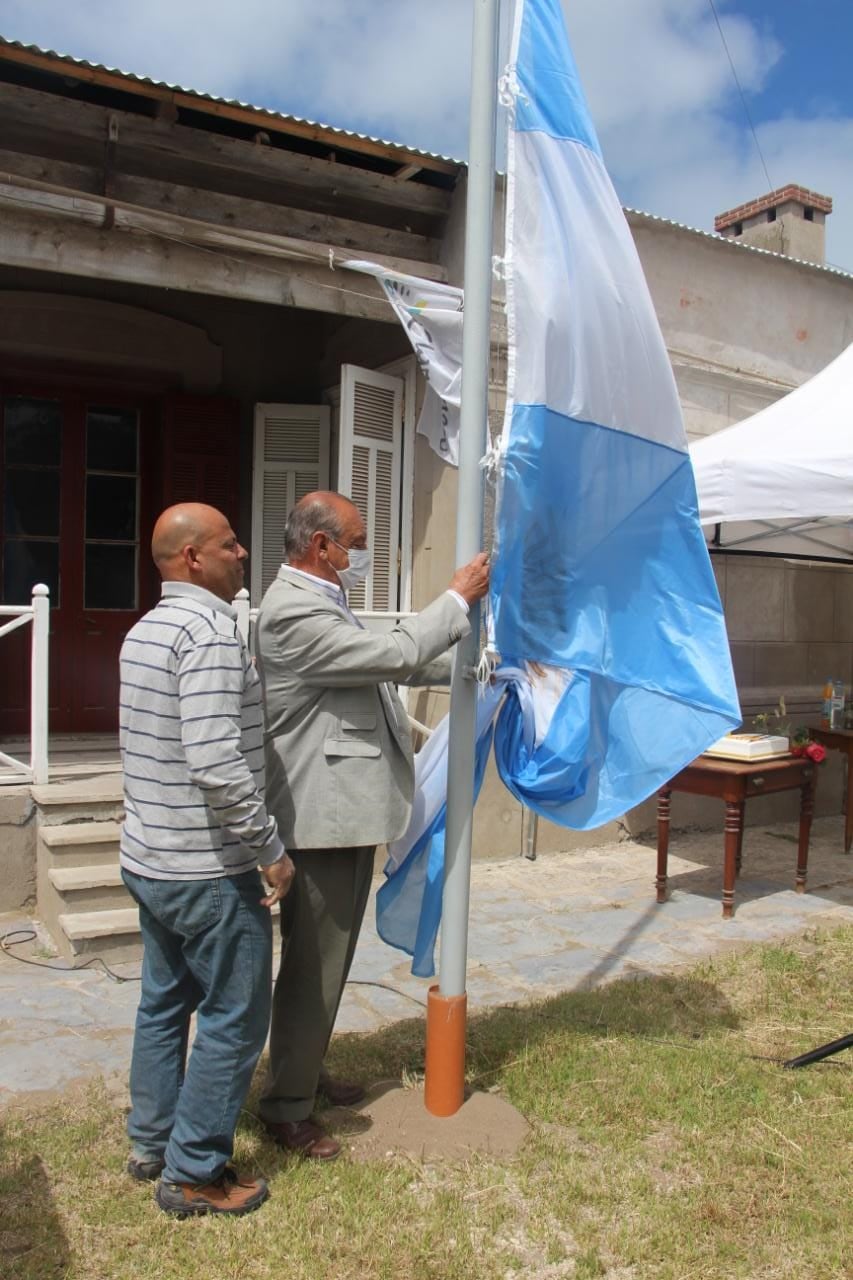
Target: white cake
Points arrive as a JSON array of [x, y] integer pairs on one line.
[[749, 746]]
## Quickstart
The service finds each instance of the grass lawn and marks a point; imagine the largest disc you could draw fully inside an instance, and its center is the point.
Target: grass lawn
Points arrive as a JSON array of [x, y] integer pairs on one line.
[[664, 1144]]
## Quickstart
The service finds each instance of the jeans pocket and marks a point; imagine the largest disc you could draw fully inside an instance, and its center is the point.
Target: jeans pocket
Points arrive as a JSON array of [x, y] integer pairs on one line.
[[188, 907], [249, 886]]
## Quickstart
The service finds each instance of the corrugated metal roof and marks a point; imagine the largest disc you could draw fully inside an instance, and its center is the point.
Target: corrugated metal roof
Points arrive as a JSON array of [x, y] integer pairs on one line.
[[263, 112]]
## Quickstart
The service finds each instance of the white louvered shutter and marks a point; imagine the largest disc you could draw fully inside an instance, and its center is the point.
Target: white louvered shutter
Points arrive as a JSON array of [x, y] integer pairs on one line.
[[291, 459], [369, 471]]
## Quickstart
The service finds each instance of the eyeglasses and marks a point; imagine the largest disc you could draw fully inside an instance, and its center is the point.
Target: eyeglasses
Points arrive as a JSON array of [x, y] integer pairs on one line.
[[346, 550]]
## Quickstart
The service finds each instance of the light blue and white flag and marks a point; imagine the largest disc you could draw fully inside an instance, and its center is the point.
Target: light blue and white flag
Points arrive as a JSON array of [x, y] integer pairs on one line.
[[601, 568], [605, 608], [408, 904]]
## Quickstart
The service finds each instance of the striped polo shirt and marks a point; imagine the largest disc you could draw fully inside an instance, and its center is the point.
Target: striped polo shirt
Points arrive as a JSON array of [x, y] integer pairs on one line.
[[191, 736]]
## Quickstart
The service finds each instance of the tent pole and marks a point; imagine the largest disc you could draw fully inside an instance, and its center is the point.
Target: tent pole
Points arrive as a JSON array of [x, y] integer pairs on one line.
[[446, 1012]]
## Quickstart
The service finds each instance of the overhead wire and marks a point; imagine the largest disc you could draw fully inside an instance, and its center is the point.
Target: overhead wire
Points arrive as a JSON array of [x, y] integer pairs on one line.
[[770, 184]]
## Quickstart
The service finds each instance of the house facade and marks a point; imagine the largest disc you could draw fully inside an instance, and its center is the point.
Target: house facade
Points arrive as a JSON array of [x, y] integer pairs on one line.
[[176, 323]]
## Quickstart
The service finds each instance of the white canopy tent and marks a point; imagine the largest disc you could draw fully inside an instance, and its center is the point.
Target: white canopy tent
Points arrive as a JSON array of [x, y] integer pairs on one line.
[[781, 482]]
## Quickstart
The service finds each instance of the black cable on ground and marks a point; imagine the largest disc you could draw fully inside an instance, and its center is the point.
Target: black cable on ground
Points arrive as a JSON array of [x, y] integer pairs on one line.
[[362, 982], [21, 936], [29, 935]]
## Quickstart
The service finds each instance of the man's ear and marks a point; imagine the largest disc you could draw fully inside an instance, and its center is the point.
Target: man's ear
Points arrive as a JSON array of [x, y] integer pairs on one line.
[[189, 555], [320, 543]]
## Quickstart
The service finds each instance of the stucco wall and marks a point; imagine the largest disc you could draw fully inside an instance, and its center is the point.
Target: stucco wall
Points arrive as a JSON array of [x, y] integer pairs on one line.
[[17, 848]]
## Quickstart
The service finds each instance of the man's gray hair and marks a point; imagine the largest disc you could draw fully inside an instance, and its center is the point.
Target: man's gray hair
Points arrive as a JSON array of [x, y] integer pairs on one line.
[[304, 521]]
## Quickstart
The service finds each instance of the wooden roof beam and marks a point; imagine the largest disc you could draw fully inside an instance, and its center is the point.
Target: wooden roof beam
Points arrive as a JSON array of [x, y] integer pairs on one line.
[[252, 116]]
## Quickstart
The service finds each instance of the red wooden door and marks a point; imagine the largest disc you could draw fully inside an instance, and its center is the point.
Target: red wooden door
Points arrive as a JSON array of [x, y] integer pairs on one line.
[[103, 555], [31, 453], [74, 484], [83, 473]]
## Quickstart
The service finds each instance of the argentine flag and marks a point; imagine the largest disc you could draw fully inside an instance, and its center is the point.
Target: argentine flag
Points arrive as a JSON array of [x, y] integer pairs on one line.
[[615, 668], [601, 568]]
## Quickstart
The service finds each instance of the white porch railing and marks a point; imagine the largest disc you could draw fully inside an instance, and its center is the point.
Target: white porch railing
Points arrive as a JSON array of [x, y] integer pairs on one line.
[[36, 615], [246, 617]]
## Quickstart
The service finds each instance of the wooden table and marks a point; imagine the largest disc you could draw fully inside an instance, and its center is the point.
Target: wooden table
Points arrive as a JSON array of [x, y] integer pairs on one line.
[[735, 782], [840, 740]]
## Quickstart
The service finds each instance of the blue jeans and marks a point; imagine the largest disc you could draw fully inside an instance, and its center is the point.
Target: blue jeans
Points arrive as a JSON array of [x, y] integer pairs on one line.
[[208, 950]]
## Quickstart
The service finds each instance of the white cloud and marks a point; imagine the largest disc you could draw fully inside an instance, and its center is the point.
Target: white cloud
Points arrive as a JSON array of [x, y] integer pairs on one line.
[[398, 69], [658, 80], [672, 124]]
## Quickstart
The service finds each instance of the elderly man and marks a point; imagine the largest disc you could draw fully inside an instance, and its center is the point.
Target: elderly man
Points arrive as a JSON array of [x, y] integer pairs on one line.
[[196, 830], [340, 779]]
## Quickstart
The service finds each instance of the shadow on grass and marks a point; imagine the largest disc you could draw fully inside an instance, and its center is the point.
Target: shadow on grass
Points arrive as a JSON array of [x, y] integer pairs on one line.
[[33, 1245], [678, 1006], [674, 1007]]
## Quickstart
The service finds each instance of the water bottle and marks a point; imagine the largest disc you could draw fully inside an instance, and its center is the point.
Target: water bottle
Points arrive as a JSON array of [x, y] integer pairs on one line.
[[836, 711]]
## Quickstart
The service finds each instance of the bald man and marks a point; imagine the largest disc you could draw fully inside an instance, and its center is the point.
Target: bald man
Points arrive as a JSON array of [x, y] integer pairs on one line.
[[196, 831], [341, 779]]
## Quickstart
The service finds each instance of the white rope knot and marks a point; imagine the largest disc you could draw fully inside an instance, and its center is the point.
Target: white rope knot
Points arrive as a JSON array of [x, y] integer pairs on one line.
[[488, 664], [331, 259], [490, 462], [509, 90], [499, 267]]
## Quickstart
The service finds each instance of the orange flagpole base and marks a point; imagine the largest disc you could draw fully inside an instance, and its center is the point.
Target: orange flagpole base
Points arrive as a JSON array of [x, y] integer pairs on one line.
[[444, 1083]]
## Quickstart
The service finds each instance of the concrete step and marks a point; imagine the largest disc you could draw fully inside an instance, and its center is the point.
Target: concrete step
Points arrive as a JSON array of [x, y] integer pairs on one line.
[[111, 934], [90, 888], [72, 879], [80, 844], [77, 872], [89, 799]]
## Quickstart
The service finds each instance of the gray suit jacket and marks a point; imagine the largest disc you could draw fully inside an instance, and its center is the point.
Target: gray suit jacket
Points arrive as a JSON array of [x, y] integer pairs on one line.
[[339, 768]]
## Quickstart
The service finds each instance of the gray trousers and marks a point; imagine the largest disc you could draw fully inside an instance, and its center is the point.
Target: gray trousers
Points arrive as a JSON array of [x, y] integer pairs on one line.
[[320, 922]]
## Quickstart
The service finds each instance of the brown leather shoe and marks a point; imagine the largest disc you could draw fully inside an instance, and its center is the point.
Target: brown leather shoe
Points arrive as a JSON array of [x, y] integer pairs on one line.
[[340, 1093], [228, 1194], [304, 1137]]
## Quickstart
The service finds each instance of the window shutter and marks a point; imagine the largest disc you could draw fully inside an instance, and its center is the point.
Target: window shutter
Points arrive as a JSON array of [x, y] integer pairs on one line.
[[201, 452], [369, 472], [291, 459]]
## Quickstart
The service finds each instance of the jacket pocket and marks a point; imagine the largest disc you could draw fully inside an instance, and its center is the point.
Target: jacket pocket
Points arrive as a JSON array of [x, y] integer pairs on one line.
[[358, 720], [350, 747]]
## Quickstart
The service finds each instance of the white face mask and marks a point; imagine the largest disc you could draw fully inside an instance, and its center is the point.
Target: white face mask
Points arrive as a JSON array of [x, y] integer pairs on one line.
[[360, 562]]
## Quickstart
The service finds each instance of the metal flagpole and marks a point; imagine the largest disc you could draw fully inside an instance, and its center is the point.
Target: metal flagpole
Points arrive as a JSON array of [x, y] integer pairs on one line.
[[446, 1010]]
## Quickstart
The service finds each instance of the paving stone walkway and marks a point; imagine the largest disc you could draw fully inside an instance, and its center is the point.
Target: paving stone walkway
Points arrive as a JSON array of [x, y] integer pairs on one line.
[[563, 922]]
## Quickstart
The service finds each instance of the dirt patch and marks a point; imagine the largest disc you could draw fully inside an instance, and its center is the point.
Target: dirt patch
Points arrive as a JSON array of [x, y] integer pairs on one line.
[[400, 1123]]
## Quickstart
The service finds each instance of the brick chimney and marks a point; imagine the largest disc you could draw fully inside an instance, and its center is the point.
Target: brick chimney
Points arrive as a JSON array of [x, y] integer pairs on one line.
[[790, 221]]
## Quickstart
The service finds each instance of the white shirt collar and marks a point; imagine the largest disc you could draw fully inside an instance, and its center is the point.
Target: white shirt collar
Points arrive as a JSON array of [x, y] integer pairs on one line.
[[331, 588]]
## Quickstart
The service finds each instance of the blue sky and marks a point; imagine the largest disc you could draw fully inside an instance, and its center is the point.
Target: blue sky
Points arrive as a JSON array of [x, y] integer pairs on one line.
[[661, 91]]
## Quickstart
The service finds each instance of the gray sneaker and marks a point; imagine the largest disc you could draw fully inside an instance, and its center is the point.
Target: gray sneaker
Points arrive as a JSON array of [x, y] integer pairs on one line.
[[145, 1168], [229, 1195]]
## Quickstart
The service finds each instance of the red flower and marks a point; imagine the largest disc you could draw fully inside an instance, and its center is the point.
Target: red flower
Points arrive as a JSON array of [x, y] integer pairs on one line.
[[816, 751], [798, 749]]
